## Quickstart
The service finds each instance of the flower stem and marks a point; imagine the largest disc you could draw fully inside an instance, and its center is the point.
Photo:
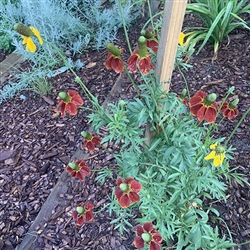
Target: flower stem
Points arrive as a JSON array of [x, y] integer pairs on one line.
[[238, 124], [133, 82], [124, 26], [150, 15], [91, 98]]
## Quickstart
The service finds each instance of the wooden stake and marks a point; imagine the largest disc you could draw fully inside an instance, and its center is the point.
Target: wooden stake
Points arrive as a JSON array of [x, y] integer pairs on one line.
[[174, 11]]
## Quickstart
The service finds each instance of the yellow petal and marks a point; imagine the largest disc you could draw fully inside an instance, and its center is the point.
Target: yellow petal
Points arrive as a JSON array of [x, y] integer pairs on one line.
[[181, 39], [210, 156], [24, 39], [37, 34], [31, 47], [213, 146]]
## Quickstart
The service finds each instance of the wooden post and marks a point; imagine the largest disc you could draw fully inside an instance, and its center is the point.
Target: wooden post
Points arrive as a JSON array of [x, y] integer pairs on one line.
[[174, 11]]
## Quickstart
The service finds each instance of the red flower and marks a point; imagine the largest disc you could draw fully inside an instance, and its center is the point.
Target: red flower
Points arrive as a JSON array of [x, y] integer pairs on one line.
[[152, 39], [83, 213], [230, 110], [69, 102], [147, 234], [78, 169], [90, 141], [114, 60], [203, 106], [127, 191], [144, 63], [153, 44]]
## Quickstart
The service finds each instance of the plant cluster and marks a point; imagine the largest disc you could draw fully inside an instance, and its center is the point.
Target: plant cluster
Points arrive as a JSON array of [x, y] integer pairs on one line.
[[168, 175], [219, 19]]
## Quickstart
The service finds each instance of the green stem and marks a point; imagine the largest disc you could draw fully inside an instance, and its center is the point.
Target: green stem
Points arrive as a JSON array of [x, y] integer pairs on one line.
[[150, 16], [238, 124], [133, 82], [185, 80], [91, 98], [124, 26]]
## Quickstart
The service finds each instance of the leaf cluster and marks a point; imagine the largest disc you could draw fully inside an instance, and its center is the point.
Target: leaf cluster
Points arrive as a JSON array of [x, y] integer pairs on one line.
[[219, 18]]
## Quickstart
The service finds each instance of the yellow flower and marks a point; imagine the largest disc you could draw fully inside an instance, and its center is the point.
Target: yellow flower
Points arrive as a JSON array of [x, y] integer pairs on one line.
[[27, 34], [218, 154], [181, 38]]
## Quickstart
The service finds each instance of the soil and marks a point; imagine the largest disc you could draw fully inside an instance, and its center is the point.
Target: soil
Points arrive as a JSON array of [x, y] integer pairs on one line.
[[36, 145]]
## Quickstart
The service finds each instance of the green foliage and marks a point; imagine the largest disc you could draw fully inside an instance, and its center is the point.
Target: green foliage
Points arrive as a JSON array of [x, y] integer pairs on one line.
[[172, 170], [41, 85], [219, 18]]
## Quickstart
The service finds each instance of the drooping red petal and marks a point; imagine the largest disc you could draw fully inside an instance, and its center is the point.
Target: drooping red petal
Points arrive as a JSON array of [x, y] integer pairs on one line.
[[71, 108], [124, 201], [201, 113], [148, 227], [138, 242], [62, 105], [89, 216], [194, 109], [96, 140], [89, 145], [132, 61], [210, 114], [117, 65], [134, 197], [108, 61], [119, 181], [152, 44], [195, 101], [80, 221], [75, 215], [135, 186], [139, 230], [77, 100], [118, 193], [157, 238], [89, 206], [201, 94], [69, 169], [128, 180], [145, 65], [154, 246]]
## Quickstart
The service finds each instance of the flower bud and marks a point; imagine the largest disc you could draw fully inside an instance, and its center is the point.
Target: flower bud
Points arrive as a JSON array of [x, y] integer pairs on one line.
[[147, 34], [23, 30], [80, 210], [123, 187], [234, 103], [63, 96], [211, 97], [219, 149], [142, 46], [146, 237], [113, 49], [72, 165], [86, 135]]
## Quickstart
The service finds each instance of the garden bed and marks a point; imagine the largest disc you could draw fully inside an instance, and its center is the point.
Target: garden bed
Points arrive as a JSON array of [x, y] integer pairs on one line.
[[36, 145]]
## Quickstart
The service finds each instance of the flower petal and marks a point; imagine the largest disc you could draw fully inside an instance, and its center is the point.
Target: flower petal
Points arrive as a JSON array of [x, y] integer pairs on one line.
[[30, 46], [148, 227], [80, 221], [210, 156], [210, 114], [135, 186], [71, 108], [139, 230], [138, 242], [117, 65], [89, 216], [154, 246], [124, 201], [157, 238]]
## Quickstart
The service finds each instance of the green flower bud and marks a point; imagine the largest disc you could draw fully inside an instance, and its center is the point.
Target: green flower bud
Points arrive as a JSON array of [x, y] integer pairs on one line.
[[183, 93], [124, 187], [147, 34], [113, 49], [72, 165], [220, 150], [80, 210], [211, 97], [146, 237], [142, 46], [122, 103], [86, 135], [63, 96], [234, 103], [23, 30]]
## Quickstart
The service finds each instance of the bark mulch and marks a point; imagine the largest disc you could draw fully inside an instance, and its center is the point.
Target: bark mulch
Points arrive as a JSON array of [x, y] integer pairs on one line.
[[36, 144]]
